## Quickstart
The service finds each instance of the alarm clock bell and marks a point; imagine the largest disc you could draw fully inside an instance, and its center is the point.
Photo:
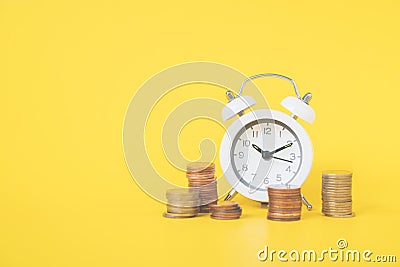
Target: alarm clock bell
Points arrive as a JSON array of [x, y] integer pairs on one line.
[[300, 107], [236, 106]]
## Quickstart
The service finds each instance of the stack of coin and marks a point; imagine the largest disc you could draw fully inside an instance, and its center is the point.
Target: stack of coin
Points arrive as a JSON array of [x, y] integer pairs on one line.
[[336, 193], [284, 202], [201, 177], [226, 210], [182, 203]]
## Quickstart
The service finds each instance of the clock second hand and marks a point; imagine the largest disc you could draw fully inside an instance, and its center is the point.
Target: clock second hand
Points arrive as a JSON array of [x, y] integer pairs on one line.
[[282, 159]]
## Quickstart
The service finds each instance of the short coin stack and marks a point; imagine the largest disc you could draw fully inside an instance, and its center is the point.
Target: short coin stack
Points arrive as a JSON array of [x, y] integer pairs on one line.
[[284, 202], [336, 193], [226, 210], [182, 203], [201, 176]]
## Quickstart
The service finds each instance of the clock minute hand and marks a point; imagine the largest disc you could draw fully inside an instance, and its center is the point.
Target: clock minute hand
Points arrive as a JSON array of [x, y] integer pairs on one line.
[[279, 149], [268, 155]]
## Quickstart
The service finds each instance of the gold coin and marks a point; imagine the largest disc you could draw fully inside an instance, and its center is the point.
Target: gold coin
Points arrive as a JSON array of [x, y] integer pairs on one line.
[[329, 173], [340, 215], [337, 193], [180, 210], [177, 216]]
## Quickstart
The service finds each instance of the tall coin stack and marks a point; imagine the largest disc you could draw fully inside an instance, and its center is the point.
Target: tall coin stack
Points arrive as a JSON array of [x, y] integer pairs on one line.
[[284, 202], [182, 203], [201, 177], [336, 193]]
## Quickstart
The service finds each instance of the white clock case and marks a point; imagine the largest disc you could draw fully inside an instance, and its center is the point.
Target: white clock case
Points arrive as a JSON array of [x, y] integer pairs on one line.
[[233, 130]]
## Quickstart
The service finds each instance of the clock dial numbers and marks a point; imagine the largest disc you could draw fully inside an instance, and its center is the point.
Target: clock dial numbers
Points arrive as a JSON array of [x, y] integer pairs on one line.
[[267, 130], [265, 152], [246, 143]]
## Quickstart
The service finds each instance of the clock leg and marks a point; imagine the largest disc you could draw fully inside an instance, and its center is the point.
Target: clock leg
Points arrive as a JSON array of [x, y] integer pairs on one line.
[[305, 202], [231, 194]]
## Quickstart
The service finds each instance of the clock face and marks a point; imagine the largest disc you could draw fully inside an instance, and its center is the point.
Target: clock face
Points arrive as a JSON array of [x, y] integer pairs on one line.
[[265, 152]]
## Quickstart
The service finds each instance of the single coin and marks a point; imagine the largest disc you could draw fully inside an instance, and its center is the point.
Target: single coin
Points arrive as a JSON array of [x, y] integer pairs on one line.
[[177, 216], [227, 212], [184, 204], [336, 173], [283, 219], [219, 218], [224, 217], [179, 191], [340, 215], [200, 166], [224, 205], [284, 186], [202, 181], [174, 209], [182, 195]]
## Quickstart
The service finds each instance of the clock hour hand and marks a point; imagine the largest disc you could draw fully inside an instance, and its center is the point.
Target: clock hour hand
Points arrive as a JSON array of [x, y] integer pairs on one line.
[[257, 148], [268, 155], [265, 154]]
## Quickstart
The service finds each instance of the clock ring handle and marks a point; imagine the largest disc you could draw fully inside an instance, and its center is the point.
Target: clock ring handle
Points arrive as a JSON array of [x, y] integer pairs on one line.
[[270, 75]]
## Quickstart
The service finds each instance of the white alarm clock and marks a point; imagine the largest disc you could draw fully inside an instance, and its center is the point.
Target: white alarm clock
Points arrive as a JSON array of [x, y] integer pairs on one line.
[[264, 147]]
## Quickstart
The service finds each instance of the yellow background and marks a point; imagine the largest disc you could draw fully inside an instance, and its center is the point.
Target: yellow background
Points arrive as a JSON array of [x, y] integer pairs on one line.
[[68, 70]]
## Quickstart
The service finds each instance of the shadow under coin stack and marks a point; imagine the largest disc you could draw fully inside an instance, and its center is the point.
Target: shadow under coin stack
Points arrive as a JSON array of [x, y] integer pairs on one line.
[[182, 203], [336, 193], [284, 202], [201, 176], [226, 210]]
